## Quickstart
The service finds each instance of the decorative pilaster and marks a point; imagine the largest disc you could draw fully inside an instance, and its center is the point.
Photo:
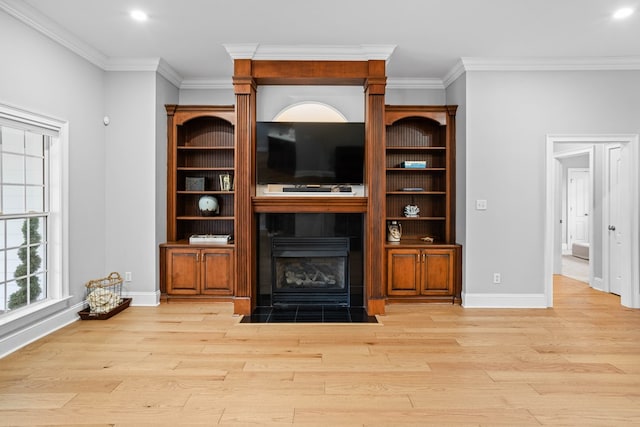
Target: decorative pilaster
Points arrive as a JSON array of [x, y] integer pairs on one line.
[[245, 91], [375, 165]]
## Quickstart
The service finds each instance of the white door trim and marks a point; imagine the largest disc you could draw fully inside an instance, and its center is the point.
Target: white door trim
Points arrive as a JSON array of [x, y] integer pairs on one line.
[[630, 296]]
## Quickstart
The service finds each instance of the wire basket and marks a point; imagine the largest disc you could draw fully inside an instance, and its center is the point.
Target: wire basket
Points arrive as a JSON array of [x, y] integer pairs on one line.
[[104, 295]]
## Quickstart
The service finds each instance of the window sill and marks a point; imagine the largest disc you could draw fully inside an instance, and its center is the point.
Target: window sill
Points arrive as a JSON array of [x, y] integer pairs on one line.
[[31, 314]]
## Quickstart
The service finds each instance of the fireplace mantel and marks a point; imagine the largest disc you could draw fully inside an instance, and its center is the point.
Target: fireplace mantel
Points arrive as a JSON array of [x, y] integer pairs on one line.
[[248, 75], [302, 204]]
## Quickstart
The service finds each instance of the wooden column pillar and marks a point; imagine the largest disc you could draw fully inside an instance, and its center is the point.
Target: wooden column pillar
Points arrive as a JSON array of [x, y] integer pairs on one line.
[[451, 174], [245, 90], [375, 160]]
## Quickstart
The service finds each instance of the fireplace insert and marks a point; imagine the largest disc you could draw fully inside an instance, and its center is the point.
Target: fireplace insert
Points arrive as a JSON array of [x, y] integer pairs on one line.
[[310, 271]]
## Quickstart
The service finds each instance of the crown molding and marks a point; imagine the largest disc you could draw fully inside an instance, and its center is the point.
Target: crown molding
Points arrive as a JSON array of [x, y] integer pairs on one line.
[[258, 51], [132, 64], [166, 71], [606, 63], [414, 83], [158, 65], [241, 50], [207, 84], [454, 73], [41, 23]]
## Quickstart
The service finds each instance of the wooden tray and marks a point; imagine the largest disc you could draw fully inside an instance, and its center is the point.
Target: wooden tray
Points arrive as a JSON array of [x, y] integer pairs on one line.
[[87, 315]]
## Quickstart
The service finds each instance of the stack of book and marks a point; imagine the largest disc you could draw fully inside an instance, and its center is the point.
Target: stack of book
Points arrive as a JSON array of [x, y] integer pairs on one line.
[[210, 239]]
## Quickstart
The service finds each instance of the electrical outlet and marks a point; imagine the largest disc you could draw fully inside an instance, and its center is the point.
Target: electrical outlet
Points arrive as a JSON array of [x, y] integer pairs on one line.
[[497, 278], [127, 276]]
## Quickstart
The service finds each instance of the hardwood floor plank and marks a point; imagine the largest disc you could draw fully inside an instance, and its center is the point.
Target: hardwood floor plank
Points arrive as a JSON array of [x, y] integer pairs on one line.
[[34, 400], [423, 365]]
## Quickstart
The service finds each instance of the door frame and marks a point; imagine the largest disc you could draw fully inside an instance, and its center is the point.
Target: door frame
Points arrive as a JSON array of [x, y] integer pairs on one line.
[[630, 295]]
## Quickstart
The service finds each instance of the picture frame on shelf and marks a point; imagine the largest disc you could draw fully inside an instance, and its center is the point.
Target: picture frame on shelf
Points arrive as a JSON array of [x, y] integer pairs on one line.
[[226, 182]]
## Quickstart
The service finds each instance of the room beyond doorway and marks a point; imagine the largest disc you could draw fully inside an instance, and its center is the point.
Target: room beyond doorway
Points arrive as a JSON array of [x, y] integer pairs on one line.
[[599, 225]]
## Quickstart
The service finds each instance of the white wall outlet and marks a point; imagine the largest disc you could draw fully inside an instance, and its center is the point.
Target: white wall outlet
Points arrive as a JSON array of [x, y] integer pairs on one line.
[[127, 276], [481, 205], [497, 278]]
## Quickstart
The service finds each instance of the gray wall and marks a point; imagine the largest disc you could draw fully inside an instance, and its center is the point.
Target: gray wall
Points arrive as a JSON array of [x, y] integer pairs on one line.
[[509, 115], [131, 177], [456, 94], [117, 173], [39, 75]]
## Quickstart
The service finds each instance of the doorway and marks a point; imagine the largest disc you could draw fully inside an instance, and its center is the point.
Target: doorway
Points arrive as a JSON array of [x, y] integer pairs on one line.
[[574, 208], [624, 169]]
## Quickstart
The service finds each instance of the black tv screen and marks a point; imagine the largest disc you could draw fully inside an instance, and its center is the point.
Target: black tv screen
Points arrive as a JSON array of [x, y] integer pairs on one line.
[[310, 153]]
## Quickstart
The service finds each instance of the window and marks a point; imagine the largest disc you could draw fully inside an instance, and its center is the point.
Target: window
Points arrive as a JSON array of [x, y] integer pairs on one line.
[[30, 213]]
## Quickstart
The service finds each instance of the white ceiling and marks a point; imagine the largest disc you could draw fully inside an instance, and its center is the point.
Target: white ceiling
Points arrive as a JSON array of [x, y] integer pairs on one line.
[[430, 36]]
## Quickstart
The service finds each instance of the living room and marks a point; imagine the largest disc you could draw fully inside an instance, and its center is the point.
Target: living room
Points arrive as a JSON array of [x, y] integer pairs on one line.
[[117, 173]]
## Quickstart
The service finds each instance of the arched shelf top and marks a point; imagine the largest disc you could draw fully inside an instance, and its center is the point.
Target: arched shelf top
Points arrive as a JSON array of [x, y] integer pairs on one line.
[[439, 114], [183, 113]]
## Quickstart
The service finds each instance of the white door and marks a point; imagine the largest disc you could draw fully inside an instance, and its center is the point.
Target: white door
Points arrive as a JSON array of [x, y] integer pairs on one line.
[[615, 226], [578, 206]]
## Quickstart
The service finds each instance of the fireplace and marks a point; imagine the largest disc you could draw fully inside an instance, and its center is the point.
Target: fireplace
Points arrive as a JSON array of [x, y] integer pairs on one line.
[[310, 271], [322, 253]]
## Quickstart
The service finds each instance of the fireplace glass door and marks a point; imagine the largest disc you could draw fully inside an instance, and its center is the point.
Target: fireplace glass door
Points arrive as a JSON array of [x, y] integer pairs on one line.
[[310, 271]]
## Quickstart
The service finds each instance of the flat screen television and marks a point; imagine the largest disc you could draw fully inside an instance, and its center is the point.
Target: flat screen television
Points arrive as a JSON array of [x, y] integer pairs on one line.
[[310, 153]]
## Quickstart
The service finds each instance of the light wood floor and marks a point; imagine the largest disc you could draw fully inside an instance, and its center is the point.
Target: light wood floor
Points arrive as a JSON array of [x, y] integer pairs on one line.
[[183, 364]]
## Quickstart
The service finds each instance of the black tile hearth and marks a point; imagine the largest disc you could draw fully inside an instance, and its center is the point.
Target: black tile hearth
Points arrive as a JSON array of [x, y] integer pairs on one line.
[[309, 314]]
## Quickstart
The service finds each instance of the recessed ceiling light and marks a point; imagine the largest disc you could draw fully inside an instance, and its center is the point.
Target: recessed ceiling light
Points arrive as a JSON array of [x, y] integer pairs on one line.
[[138, 15], [625, 12]]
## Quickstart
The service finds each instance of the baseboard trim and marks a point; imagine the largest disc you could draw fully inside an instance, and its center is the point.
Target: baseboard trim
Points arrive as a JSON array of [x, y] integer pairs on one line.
[[143, 299], [503, 300], [598, 284], [34, 332]]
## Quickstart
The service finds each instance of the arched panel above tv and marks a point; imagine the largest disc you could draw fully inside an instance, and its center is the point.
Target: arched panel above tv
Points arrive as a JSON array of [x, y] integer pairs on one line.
[[310, 111]]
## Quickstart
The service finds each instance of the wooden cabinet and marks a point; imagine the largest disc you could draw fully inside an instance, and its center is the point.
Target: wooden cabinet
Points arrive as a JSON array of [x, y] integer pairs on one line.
[[199, 271], [420, 173], [427, 273]]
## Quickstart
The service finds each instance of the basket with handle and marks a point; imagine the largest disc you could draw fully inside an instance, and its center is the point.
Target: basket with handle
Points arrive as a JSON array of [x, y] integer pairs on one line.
[[103, 295]]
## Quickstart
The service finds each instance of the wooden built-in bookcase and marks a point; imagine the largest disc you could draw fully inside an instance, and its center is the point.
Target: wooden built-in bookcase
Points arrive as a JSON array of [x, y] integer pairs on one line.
[[208, 140], [201, 146], [418, 270]]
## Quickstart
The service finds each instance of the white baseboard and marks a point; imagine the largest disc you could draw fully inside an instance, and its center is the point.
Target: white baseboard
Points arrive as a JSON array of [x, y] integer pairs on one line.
[[34, 332], [503, 300], [147, 299], [598, 283]]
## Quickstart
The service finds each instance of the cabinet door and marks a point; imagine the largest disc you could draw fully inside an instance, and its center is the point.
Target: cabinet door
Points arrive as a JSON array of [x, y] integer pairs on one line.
[[183, 271], [438, 271], [403, 272], [217, 272]]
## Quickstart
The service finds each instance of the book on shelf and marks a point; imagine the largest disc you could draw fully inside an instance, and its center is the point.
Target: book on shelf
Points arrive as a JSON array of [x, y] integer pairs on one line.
[[210, 238], [414, 164]]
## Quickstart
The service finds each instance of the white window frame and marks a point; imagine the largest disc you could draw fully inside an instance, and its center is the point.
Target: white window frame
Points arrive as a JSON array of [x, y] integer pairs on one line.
[[58, 223]]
